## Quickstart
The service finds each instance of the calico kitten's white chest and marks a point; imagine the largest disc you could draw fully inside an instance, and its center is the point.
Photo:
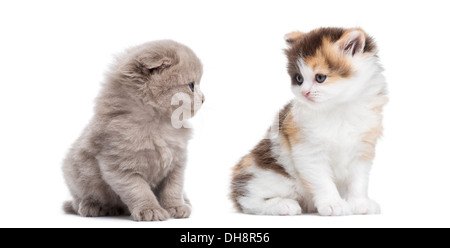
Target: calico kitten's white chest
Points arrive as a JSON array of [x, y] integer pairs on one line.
[[336, 135]]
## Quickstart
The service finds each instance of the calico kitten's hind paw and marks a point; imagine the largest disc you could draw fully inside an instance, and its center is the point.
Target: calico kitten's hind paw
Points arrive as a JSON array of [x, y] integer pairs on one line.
[[150, 214], [183, 211], [364, 206], [283, 206]]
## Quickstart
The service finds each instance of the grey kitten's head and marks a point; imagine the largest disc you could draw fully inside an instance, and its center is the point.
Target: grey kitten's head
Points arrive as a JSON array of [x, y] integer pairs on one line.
[[159, 73]]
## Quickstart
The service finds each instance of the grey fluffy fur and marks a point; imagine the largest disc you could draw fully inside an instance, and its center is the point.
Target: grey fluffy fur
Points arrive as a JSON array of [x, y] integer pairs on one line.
[[130, 159]]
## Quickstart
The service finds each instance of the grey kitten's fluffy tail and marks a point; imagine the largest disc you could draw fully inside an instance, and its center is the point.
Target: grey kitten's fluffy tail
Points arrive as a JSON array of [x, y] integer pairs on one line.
[[68, 207]]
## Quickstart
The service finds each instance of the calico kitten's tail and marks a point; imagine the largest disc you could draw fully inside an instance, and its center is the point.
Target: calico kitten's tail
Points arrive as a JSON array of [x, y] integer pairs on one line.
[[68, 207]]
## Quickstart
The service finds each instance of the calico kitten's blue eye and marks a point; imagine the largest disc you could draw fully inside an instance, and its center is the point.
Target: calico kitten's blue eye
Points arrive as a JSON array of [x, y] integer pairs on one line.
[[191, 86], [321, 78], [299, 79]]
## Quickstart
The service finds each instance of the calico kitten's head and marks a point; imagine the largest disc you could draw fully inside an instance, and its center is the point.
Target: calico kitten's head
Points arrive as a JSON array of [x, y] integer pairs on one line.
[[330, 65], [158, 72]]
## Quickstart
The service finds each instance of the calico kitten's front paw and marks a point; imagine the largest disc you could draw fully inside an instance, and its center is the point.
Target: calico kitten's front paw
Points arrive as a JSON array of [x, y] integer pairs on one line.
[[150, 214], [183, 211], [334, 208], [364, 206]]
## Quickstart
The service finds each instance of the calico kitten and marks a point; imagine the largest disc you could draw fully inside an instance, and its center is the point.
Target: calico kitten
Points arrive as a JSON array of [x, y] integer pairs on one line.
[[318, 156], [130, 158]]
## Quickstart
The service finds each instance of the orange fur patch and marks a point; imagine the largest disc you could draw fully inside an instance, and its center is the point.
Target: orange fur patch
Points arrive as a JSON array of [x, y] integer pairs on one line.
[[328, 61], [291, 130], [370, 140], [306, 184], [245, 162]]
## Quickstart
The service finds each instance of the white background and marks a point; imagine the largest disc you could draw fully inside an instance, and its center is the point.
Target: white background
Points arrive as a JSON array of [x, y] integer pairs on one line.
[[53, 55]]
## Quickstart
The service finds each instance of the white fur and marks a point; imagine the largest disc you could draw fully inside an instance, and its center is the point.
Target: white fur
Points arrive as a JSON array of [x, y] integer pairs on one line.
[[270, 194], [328, 156]]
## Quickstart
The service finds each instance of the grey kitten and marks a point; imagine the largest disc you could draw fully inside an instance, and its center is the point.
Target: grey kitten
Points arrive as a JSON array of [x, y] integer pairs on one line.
[[130, 159]]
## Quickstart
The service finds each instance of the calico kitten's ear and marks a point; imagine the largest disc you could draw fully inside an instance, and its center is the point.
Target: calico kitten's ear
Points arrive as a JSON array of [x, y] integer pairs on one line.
[[292, 37], [145, 64], [352, 42]]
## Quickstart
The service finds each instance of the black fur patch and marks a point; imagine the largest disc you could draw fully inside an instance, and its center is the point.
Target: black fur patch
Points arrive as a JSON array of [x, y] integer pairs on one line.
[[239, 188], [262, 154], [307, 45]]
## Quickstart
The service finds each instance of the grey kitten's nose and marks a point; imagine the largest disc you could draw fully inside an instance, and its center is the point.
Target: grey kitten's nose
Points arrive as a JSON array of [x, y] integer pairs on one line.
[[203, 99]]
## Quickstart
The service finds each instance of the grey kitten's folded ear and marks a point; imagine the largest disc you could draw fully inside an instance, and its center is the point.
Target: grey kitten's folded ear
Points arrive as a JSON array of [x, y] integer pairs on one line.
[[145, 64], [153, 61], [292, 37], [352, 42]]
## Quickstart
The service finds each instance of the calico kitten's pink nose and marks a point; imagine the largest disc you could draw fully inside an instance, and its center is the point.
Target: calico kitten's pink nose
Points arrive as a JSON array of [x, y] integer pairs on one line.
[[306, 93]]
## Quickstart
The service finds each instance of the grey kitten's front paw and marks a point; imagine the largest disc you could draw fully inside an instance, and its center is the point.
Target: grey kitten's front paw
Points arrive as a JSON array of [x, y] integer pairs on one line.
[[150, 214], [89, 209], [183, 211]]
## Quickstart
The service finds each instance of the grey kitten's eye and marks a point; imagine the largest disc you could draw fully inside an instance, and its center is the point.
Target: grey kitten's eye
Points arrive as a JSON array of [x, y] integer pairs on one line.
[[191, 86], [299, 79], [321, 78]]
